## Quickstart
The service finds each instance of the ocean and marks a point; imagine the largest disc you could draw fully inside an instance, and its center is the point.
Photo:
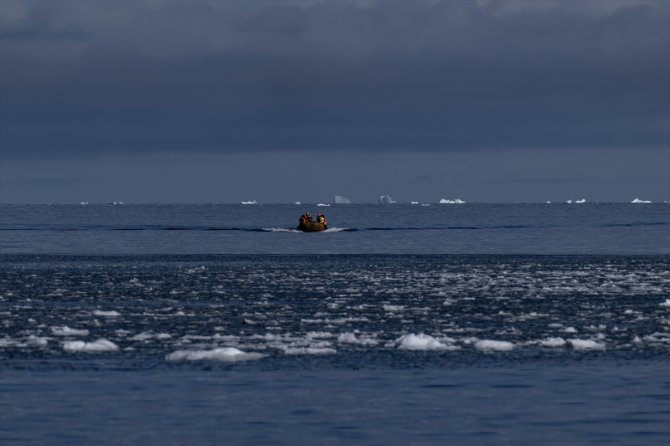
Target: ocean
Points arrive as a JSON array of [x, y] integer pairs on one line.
[[462, 324]]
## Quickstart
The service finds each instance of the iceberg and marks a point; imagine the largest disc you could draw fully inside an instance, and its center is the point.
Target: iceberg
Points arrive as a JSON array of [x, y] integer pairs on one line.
[[339, 199], [323, 205], [582, 201], [249, 202], [385, 199], [413, 202], [637, 200], [456, 201]]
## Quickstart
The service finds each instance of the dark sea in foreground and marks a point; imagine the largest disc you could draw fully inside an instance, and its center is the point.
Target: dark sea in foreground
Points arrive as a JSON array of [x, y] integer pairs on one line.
[[469, 324]]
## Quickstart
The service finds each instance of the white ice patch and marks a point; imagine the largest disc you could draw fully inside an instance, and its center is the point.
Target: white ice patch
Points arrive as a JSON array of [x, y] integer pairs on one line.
[[102, 313], [421, 342], [637, 200], [489, 345], [67, 331], [144, 336], [228, 354], [350, 338], [553, 342], [101, 345], [586, 344], [393, 308], [665, 304]]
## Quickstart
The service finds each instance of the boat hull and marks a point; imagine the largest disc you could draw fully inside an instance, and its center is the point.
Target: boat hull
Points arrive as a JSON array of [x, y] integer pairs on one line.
[[312, 226]]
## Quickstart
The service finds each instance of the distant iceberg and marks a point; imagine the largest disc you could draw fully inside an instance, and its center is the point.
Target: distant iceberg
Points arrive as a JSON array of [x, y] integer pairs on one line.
[[249, 202], [339, 199], [637, 200], [413, 202], [385, 199], [456, 201], [582, 201], [569, 201], [323, 204]]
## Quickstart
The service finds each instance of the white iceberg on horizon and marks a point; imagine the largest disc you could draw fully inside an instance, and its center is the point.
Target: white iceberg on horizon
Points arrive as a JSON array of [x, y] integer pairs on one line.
[[249, 202], [385, 199], [456, 201], [339, 199], [637, 200]]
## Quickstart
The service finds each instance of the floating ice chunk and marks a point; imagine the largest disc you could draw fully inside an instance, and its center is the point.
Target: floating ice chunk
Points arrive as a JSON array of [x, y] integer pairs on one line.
[[568, 201], [323, 205], [67, 331], [297, 203], [144, 336], [582, 201], [83, 203], [350, 338], [421, 342], [102, 313], [488, 345], [456, 201], [553, 342], [570, 330], [385, 199], [586, 344], [413, 202], [228, 354], [101, 345], [393, 308], [250, 202], [665, 304], [637, 200], [339, 199], [36, 341]]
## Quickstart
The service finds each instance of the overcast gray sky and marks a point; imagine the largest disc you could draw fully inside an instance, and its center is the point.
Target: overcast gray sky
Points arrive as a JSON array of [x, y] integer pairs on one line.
[[221, 101]]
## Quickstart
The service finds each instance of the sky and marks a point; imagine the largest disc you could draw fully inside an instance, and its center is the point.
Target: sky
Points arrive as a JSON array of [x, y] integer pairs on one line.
[[278, 101]]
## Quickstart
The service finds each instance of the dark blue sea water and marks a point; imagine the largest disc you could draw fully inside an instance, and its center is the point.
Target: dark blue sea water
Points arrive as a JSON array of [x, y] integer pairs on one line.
[[402, 324]]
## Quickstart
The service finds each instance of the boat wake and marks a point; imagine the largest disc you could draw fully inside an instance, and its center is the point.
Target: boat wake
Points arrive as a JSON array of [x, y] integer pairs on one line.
[[292, 230]]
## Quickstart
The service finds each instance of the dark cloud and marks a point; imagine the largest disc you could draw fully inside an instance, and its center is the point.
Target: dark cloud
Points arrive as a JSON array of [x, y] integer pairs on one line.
[[108, 77]]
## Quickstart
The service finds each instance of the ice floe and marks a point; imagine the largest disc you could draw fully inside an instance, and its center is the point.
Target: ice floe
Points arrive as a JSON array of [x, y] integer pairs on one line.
[[422, 342], [102, 313], [455, 201], [351, 338], [586, 344], [101, 345], [553, 342], [67, 331], [228, 354], [489, 345]]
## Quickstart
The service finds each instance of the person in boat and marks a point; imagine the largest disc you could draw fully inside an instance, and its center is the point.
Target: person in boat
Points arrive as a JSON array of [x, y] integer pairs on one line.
[[302, 220], [320, 218], [308, 217]]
